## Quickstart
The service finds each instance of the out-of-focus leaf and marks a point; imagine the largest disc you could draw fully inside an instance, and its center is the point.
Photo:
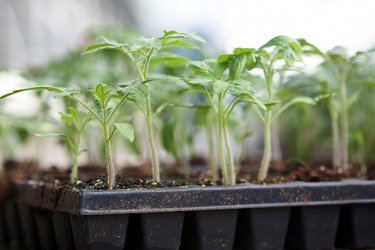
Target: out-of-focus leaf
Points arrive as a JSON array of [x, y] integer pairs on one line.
[[220, 86], [50, 135], [36, 88], [240, 87], [169, 60], [295, 100], [201, 68], [126, 129]]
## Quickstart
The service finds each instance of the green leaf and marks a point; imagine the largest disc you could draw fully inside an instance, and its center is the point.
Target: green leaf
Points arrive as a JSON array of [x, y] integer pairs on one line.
[[338, 53], [74, 113], [252, 99], [102, 93], [295, 100], [47, 88], [240, 87], [137, 90], [237, 66], [163, 78], [106, 44], [239, 51], [129, 83], [167, 137], [224, 58], [66, 92], [172, 34], [100, 46], [182, 44], [50, 135], [309, 48], [201, 68], [169, 60], [66, 117], [289, 57], [126, 129], [220, 86], [287, 48]]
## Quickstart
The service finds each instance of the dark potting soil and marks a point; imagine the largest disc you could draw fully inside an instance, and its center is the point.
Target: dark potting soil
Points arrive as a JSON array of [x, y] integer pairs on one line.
[[93, 177]]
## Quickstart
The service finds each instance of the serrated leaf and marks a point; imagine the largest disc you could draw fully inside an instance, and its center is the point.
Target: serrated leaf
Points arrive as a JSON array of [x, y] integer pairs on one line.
[[102, 93], [99, 46], [181, 44], [263, 53], [163, 78], [172, 34], [201, 68], [137, 90], [126, 129], [224, 58], [288, 49], [280, 41], [129, 83], [145, 43], [238, 51], [65, 92], [308, 47], [236, 66], [219, 86], [169, 60], [289, 57], [240, 87]]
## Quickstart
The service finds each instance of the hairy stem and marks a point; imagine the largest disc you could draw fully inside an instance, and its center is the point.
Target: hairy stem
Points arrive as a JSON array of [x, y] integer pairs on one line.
[[265, 164], [344, 127], [155, 160], [211, 154], [232, 168], [275, 146], [74, 173], [335, 140], [108, 153], [224, 169]]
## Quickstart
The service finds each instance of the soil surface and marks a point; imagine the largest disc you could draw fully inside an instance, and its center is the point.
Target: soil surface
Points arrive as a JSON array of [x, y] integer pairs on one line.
[[94, 177]]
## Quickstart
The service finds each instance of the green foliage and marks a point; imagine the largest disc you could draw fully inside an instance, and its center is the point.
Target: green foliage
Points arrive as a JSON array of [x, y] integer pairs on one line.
[[126, 130], [144, 53], [222, 96]]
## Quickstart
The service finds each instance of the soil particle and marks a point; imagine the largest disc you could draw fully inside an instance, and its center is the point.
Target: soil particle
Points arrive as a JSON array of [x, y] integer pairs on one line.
[[93, 177]]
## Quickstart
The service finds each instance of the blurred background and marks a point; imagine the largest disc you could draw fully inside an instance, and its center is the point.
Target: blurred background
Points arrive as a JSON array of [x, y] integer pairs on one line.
[[36, 33]]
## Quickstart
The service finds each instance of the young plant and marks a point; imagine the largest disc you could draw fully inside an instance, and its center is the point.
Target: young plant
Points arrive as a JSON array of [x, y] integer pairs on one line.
[[287, 52], [103, 111], [336, 74], [105, 115], [219, 87], [75, 123], [143, 54]]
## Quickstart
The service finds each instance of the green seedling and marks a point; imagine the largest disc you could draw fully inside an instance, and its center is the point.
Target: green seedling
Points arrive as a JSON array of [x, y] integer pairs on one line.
[[74, 125], [104, 112], [219, 87], [143, 54], [285, 51], [336, 74]]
